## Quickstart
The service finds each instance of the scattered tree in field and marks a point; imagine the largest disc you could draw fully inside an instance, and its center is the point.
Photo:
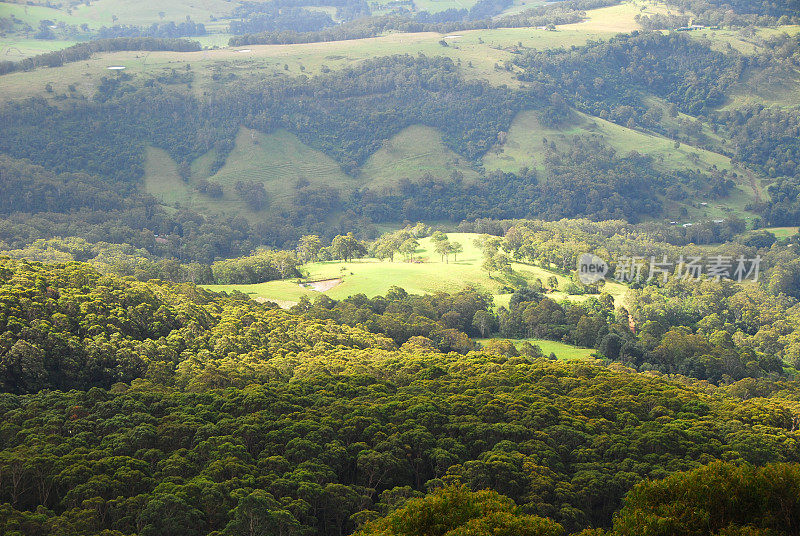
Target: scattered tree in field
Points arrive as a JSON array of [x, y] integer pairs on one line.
[[455, 249], [420, 230], [438, 236], [489, 265], [502, 263], [408, 248], [442, 247], [347, 247], [308, 248], [388, 244]]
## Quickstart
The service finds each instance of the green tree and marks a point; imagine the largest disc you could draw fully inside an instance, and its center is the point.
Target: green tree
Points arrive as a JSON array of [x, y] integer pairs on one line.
[[442, 247], [456, 511], [552, 282], [408, 248], [456, 248], [259, 514], [308, 248], [347, 247]]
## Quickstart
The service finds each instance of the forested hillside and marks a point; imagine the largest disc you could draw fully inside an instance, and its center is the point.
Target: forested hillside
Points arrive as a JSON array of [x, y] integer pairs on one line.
[[208, 413], [399, 268], [352, 114]]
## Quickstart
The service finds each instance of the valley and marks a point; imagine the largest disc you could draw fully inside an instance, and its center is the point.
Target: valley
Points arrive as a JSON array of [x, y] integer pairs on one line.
[[399, 268]]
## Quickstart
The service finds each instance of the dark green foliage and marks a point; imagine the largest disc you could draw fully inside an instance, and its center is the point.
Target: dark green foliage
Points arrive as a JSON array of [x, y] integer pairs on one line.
[[309, 449], [200, 413], [38, 204], [607, 78], [442, 318], [94, 330], [750, 11], [456, 511], [721, 498]]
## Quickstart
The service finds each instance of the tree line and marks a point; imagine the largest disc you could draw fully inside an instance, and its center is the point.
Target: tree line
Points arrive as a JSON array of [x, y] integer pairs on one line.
[[182, 411], [83, 51]]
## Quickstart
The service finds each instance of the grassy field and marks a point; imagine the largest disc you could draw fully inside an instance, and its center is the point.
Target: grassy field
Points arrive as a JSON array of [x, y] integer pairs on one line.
[[373, 277], [161, 178], [102, 12], [480, 52], [435, 6], [277, 160], [616, 19], [32, 14], [414, 152], [783, 232], [750, 40], [16, 49], [163, 182], [563, 351], [523, 147], [519, 6], [778, 89]]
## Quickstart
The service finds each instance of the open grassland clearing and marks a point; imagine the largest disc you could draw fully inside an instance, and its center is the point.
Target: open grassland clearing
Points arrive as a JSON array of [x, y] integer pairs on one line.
[[103, 12], [16, 49], [430, 273], [33, 14], [562, 351], [748, 40], [436, 6], [783, 232], [414, 152], [280, 161], [277, 160], [523, 146], [518, 6], [620, 18], [481, 54]]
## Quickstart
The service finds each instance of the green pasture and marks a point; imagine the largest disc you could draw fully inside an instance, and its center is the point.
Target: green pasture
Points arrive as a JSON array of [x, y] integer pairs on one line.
[[563, 351], [783, 232], [430, 274], [415, 151]]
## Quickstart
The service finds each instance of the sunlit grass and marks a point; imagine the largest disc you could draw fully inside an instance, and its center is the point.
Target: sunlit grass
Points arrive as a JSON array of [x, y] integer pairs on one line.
[[373, 277]]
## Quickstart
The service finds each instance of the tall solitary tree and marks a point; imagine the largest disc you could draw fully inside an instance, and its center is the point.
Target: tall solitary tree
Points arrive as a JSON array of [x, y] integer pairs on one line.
[[309, 247], [347, 247]]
